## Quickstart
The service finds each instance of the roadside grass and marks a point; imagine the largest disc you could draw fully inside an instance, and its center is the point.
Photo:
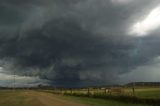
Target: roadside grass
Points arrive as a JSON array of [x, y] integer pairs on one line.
[[150, 93], [99, 102], [16, 98]]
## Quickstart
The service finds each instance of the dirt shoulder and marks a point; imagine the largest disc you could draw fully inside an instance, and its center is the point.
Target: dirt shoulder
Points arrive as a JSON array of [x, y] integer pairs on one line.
[[48, 99]]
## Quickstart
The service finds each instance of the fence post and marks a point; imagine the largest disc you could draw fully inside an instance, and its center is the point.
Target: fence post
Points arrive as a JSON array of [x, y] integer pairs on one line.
[[133, 89], [110, 91], [71, 91], [105, 91], [88, 91], [64, 91]]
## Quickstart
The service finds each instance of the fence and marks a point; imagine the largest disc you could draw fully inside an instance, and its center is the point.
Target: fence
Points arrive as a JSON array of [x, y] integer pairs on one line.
[[116, 91]]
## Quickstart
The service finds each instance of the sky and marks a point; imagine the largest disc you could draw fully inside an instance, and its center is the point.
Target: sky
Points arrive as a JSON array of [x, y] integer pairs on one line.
[[75, 43]]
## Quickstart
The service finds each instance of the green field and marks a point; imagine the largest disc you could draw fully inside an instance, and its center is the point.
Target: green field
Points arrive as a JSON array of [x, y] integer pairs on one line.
[[148, 93]]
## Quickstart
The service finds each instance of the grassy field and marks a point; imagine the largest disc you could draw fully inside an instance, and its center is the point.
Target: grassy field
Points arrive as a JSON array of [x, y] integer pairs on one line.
[[148, 93]]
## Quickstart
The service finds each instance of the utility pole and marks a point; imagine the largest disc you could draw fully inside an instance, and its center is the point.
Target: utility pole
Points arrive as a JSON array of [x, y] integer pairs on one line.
[[133, 88], [88, 91], [14, 80]]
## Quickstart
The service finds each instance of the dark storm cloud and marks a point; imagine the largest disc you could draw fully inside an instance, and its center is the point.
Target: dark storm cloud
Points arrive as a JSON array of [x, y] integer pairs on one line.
[[72, 42]]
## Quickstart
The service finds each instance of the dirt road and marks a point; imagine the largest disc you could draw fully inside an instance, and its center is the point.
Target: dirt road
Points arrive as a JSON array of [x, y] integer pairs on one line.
[[48, 99]]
